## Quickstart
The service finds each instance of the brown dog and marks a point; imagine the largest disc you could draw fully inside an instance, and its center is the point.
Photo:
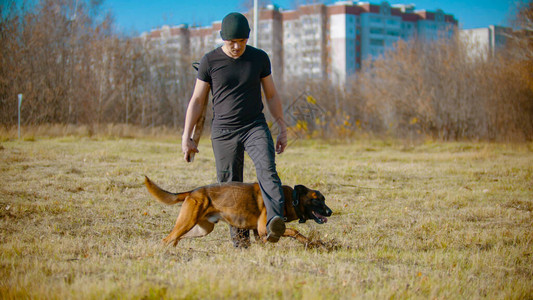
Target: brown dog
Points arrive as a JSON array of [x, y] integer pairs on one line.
[[239, 204]]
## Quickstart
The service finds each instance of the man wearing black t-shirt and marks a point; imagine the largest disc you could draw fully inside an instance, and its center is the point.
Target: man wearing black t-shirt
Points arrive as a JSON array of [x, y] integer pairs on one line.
[[235, 74]]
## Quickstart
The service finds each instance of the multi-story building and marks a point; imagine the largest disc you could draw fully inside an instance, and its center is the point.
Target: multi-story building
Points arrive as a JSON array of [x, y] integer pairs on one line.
[[485, 42], [172, 41], [328, 41], [270, 38], [359, 31], [201, 41], [305, 42]]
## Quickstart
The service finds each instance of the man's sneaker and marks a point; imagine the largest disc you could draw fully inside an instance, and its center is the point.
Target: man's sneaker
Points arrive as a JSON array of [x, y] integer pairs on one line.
[[275, 229]]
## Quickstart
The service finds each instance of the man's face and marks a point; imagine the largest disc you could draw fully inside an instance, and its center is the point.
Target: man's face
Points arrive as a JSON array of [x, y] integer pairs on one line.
[[235, 48]]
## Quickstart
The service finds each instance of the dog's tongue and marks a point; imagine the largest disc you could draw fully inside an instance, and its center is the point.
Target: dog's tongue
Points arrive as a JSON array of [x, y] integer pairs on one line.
[[321, 217]]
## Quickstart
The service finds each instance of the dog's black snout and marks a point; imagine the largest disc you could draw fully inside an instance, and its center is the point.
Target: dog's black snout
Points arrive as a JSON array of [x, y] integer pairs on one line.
[[328, 211]]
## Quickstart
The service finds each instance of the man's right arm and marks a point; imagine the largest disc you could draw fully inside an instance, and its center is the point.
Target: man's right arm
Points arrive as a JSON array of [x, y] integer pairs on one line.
[[194, 111]]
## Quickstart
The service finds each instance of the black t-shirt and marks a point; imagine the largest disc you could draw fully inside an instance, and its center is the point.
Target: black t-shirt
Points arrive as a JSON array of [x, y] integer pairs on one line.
[[235, 85]]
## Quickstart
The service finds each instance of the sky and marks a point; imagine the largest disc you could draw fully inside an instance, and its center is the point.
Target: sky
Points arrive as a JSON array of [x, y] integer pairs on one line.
[[137, 16]]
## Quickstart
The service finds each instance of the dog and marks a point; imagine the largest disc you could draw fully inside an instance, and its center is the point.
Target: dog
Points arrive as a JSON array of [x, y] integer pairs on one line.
[[240, 205]]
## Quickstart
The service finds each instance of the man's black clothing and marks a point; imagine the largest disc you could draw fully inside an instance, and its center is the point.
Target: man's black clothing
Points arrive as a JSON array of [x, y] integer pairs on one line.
[[235, 85], [229, 146], [239, 125]]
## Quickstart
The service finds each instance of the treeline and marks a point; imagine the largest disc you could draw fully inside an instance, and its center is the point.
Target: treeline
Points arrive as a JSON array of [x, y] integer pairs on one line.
[[72, 68], [439, 90]]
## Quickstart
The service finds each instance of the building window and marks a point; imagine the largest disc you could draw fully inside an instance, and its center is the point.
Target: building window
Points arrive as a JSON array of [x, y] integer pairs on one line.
[[376, 30], [392, 22], [377, 42], [393, 33]]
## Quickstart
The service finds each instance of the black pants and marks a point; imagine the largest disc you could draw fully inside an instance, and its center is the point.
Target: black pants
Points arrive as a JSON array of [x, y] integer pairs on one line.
[[229, 147]]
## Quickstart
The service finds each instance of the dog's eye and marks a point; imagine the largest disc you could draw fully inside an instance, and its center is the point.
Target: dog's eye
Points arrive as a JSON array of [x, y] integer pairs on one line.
[[316, 202]]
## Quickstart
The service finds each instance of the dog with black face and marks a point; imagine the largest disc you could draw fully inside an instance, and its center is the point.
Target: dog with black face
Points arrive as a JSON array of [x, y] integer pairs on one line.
[[240, 205], [313, 205]]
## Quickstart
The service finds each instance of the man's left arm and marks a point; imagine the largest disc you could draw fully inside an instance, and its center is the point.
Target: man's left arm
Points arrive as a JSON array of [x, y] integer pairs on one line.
[[276, 110]]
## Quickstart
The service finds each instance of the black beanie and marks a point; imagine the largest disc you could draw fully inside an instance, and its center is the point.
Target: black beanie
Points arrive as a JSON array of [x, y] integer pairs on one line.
[[235, 26]]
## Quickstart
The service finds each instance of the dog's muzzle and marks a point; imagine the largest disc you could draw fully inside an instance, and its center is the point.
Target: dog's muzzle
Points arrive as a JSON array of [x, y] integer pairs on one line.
[[321, 217]]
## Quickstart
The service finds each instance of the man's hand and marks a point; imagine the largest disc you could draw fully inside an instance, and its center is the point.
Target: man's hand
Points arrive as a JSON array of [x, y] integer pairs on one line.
[[195, 112], [188, 147], [281, 142]]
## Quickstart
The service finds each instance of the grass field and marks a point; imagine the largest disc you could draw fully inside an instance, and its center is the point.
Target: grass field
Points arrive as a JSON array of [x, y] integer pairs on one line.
[[433, 220]]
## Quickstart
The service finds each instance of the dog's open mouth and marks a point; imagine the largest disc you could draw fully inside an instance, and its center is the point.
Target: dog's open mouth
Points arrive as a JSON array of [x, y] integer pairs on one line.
[[320, 219]]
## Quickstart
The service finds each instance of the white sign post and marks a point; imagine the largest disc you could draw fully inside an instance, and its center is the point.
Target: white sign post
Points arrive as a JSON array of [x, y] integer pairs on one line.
[[20, 104], [256, 20]]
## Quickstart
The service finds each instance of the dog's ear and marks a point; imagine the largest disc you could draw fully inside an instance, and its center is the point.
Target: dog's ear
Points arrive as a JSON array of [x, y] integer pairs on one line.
[[301, 190]]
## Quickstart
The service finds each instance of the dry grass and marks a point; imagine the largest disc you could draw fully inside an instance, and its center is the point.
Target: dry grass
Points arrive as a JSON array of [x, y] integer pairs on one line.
[[435, 220]]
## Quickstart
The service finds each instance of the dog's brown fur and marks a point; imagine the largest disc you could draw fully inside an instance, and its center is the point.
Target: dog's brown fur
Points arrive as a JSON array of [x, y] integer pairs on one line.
[[240, 205]]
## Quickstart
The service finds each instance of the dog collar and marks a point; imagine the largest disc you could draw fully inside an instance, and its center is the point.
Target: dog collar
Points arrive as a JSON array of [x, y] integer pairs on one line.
[[296, 205]]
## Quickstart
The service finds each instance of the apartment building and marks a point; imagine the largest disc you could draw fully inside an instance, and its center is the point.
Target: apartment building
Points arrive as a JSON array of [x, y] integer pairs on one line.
[[360, 30], [305, 34], [270, 38], [201, 41], [483, 43], [324, 41], [174, 42]]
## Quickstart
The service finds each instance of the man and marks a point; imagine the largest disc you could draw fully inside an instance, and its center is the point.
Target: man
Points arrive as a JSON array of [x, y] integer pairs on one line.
[[235, 74]]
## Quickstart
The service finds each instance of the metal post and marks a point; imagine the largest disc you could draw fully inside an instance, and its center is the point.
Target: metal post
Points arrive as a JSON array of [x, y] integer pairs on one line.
[[256, 20], [20, 104]]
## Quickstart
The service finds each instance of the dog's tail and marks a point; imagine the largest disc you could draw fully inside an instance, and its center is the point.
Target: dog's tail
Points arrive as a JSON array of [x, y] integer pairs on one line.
[[162, 195]]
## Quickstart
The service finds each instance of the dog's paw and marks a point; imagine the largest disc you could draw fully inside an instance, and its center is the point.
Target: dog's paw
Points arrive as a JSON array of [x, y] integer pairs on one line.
[[168, 240]]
